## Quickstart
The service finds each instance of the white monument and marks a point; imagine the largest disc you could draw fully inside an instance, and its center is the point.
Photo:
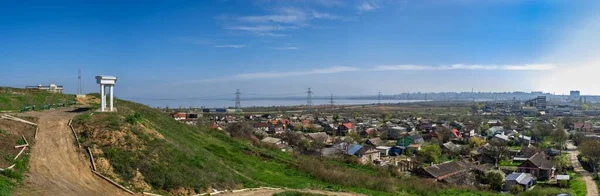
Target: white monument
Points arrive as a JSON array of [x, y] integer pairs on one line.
[[106, 81]]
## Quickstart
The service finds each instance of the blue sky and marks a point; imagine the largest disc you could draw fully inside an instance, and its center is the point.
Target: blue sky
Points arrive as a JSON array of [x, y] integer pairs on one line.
[[345, 47]]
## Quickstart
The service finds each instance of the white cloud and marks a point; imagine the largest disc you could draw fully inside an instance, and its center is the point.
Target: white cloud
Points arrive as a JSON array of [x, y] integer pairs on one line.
[[367, 6], [383, 68], [525, 67], [229, 46], [286, 48], [261, 75]]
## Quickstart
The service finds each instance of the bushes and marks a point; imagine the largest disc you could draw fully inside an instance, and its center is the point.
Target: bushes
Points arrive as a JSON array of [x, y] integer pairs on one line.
[[495, 179], [123, 161], [133, 118], [516, 189]]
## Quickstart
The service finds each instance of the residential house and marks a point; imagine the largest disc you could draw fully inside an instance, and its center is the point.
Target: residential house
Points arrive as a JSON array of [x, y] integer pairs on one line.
[[526, 180], [450, 172], [179, 116], [345, 128], [493, 123], [395, 132], [365, 154], [319, 137], [582, 126], [383, 150], [502, 137], [274, 141], [336, 149], [450, 147], [368, 132], [539, 165], [374, 141]]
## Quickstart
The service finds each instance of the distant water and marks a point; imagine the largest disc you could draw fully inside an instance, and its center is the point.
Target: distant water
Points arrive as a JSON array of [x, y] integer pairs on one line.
[[262, 103]]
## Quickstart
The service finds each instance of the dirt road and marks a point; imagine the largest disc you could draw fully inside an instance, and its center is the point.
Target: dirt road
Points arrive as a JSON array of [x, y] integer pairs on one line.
[[56, 167], [592, 189]]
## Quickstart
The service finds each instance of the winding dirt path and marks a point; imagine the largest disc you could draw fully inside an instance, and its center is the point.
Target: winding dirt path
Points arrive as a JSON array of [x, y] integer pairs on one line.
[[56, 167], [592, 189]]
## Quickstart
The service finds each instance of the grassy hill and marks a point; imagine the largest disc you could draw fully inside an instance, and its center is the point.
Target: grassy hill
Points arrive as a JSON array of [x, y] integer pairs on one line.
[[14, 99], [148, 151]]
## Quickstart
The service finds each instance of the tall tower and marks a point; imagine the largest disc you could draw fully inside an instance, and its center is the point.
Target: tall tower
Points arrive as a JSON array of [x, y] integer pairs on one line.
[[238, 105], [309, 100], [331, 100], [79, 91], [379, 98]]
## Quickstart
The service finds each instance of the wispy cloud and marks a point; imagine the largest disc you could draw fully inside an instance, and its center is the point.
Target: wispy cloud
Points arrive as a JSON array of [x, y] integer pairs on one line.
[[367, 6], [229, 46], [280, 19], [286, 48], [525, 67], [383, 68]]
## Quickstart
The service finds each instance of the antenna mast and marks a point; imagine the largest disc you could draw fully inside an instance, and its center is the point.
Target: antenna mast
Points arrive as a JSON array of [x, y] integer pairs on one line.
[[309, 100]]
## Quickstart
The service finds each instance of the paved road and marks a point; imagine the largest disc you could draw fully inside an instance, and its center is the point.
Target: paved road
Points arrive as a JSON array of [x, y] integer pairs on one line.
[[592, 189], [56, 167]]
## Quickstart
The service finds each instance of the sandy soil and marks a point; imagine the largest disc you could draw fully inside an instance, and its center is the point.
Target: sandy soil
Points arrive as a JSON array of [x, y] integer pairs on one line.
[[592, 189], [56, 166]]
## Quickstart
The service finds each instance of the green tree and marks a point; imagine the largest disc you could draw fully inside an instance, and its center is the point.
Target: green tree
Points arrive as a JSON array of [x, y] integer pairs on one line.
[[585, 106], [562, 163], [476, 142], [431, 152], [336, 117], [495, 179], [560, 136], [591, 151]]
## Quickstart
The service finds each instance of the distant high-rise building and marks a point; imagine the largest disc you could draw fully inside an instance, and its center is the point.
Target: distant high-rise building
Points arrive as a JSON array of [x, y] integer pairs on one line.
[[575, 95]]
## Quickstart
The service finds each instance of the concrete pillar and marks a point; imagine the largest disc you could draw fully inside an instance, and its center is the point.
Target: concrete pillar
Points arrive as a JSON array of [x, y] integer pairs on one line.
[[102, 98], [111, 97]]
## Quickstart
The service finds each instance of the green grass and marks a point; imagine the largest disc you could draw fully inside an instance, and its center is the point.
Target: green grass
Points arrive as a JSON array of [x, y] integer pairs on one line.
[[197, 158], [508, 163], [577, 185], [295, 193], [11, 178], [14, 99]]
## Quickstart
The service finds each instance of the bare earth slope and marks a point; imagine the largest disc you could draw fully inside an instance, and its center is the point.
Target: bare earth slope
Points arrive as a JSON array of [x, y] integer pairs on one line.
[[55, 166]]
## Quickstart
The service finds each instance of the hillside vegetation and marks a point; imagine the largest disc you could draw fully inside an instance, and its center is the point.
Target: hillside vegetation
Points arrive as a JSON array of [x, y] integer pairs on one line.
[[14, 99], [146, 150]]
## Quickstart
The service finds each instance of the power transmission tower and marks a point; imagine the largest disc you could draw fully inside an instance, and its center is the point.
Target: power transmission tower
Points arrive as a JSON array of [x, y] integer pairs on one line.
[[331, 100], [238, 105], [309, 100], [379, 98], [79, 91]]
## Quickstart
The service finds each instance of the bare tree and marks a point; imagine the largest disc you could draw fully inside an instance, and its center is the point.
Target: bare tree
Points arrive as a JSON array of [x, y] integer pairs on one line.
[[497, 150], [239, 130]]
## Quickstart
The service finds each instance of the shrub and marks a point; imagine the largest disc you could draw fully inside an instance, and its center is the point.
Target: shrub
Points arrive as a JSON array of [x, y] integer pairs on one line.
[[133, 118], [495, 179], [516, 189]]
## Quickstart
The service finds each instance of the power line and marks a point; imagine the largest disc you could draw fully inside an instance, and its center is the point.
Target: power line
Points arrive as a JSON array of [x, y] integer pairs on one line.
[[309, 100], [331, 100], [238, 105], [379, 98], [79, 90]]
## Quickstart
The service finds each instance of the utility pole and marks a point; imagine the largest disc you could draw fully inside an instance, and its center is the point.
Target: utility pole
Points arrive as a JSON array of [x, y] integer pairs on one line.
[[309, 100], [379, 101], [473, 94], [331, 100], [238, 105], [79, 91]]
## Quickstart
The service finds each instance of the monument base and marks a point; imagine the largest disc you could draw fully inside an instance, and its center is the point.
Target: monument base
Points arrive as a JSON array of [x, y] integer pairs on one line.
[[106, 110]]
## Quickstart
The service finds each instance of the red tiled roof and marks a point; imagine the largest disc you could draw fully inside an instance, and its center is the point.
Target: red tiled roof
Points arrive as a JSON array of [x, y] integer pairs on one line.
[[348, 125], [456, 133], [179, 115]]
